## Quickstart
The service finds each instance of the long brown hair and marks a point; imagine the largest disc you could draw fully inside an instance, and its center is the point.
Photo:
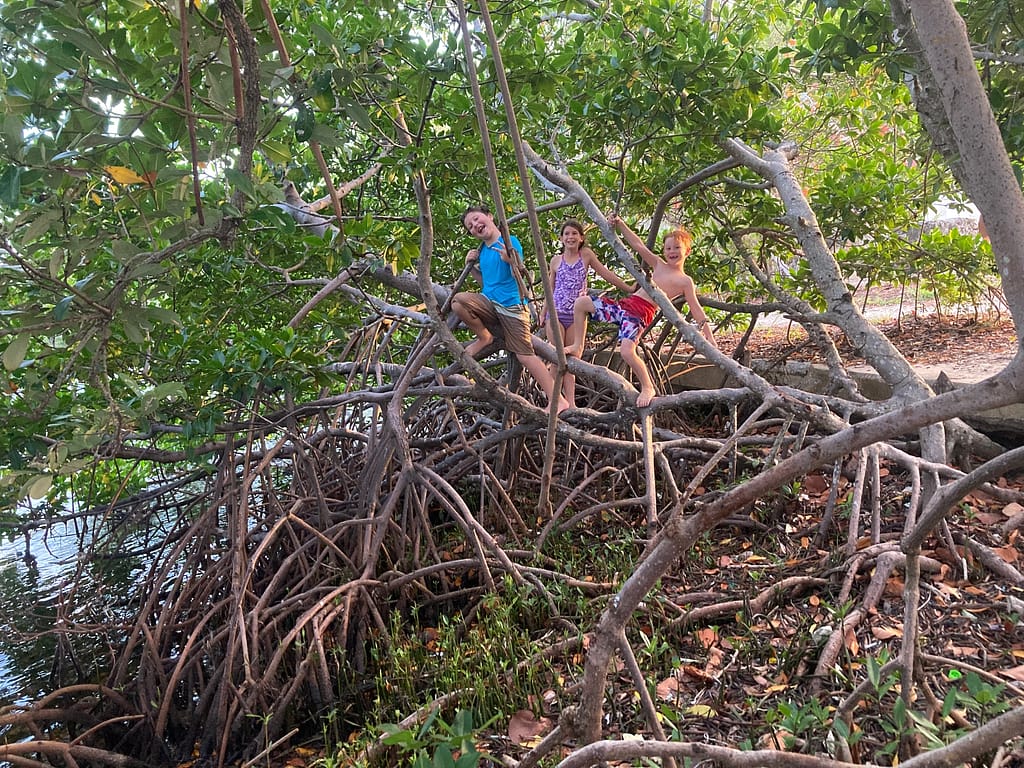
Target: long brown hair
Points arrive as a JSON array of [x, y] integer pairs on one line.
[[574, 224]]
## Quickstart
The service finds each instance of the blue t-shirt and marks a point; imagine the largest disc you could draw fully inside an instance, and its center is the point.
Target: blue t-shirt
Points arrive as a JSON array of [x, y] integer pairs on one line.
[[499, 281]]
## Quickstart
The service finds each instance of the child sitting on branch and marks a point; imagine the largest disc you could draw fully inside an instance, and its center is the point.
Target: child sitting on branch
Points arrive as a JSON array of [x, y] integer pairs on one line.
[[635, 312], [569, 271], [500, 308]]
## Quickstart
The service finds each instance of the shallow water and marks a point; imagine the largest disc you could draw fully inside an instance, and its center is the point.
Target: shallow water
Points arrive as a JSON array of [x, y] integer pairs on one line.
[[36, 593]]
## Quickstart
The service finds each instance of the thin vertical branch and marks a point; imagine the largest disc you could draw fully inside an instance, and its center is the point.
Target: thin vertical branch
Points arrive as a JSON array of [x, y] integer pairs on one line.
[[543, 502], [646, 702], [855, 503], [314, 146], [876, 496], [650, 477], [186, 84]]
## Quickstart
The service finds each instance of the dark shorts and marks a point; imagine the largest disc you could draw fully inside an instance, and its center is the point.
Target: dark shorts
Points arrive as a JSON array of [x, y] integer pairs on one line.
[[512, 322]]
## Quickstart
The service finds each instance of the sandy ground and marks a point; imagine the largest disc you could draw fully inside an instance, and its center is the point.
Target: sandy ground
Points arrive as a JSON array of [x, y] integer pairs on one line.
[[967, 344]]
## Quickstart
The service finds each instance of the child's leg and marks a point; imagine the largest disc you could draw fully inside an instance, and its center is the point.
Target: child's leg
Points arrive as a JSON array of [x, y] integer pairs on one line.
[[536, 367], [581, 312], [569, 379], [628, 351], [518, 341], [470, 309]]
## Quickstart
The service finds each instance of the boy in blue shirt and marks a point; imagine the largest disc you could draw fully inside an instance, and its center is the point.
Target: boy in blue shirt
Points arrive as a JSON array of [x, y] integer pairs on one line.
[[499, 306]]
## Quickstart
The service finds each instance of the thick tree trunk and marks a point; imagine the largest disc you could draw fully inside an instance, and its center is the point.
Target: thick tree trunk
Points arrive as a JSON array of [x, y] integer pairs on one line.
[[956, 112]]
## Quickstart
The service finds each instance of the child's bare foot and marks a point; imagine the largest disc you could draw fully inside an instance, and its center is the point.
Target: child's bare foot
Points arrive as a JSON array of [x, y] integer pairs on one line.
[[479, 344], [645, 397], [563, 405], [573, 350]]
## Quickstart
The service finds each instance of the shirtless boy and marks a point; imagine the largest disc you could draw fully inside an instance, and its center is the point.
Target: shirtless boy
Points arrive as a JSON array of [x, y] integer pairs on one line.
[[635, 312]]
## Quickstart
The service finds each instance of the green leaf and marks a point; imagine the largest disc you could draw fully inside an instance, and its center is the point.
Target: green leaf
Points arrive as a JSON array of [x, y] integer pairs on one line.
[[134, 333], [443, 757], [166, 391], [38, 226], [241, 181], [124, 250], [358, 115], [276, 151], [10, 185], [39, 486], [323, 35], [15, 353], [60, 311], [84, 42], [304, 122], [325, 135], [162, 315]]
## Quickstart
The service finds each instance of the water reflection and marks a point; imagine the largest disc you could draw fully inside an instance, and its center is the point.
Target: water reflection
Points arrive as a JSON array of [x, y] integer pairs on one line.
[[27, 609], [56, 586]]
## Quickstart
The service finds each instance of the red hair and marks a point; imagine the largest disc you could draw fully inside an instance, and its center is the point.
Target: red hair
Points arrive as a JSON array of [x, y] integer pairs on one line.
[[685, 239]]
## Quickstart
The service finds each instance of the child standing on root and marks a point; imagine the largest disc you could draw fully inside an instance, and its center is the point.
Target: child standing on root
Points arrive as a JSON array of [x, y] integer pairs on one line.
[[500, 306], [634, 313], [569, 270]]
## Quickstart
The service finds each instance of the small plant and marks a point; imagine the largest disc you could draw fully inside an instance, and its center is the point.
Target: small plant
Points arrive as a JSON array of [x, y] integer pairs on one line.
[[438, 744], [264, 719], [799, 722], [980, 698]]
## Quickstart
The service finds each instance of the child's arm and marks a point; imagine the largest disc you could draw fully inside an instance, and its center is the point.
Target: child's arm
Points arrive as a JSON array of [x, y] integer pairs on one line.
[[633, 240], [595, 264], [473, 262], [703, 324]]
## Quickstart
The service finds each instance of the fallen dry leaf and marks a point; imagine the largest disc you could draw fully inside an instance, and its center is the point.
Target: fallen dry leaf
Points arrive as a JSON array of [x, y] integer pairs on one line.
[[886, 633], [815, 484], [524, 727], [1013, 508], [667, 689], [1009, 554], [779, 740], [989, 518], [701, 710], [715, 658], [1014, 673], [688, 670], [961, 650], [851, 642], [707, 636], [894, 587]]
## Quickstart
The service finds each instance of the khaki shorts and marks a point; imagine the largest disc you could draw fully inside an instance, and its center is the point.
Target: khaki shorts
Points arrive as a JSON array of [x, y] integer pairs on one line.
[[513, 323]]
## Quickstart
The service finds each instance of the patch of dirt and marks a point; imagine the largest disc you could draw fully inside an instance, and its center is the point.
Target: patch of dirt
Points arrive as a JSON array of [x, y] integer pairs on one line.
[[924, 339]]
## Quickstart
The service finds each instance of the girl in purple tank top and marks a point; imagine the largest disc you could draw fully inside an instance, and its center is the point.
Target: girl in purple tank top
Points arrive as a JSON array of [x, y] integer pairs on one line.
[[570, 270]]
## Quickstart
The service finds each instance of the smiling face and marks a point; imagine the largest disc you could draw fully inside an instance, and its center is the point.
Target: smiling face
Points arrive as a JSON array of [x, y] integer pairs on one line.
[[572, 236], [677, 247], [480, 225]]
